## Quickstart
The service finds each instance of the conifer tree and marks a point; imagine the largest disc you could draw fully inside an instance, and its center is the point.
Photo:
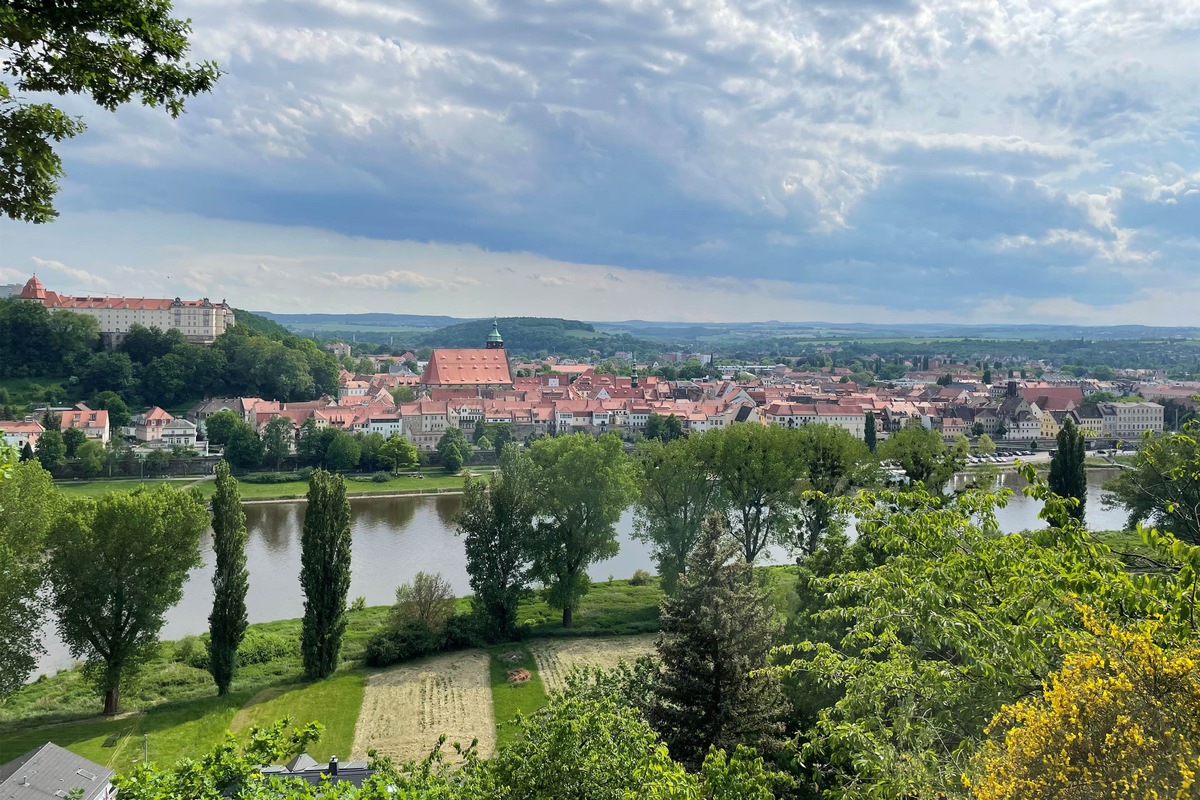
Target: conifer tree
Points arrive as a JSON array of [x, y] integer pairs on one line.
[[1068, 474], [324, 572], [228, 620], [869, 433], [717, 630]]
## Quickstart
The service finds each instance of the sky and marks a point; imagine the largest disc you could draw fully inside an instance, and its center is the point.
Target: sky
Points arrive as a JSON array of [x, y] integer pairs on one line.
[[709, 160]]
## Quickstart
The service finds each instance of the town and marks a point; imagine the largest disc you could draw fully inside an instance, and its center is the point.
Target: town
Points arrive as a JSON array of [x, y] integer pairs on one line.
[[476, 389]]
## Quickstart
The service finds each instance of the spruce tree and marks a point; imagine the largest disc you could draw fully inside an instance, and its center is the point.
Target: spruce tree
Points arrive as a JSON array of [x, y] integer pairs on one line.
[[324, 572], [869, 433], [227, 622], [1068, 474], [716, 631]]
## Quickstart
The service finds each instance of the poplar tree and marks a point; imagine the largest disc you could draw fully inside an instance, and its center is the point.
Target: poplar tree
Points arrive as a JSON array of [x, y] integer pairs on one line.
[[324, 572], [717, 632], [1068, 474], [869, 433], [227, 623]]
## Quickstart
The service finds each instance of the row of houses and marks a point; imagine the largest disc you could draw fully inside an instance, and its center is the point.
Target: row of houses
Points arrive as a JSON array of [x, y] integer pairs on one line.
[[152, 427]]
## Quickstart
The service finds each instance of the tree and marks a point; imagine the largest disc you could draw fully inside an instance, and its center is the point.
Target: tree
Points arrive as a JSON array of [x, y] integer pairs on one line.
[[453, 449], [324, 572], [343, 453], [277, 441], [717, 634], [115, 566], [869, 433], [1162, 485], [987, 376], [118, 412], [832, 461], [91, 457], [428, 601], [51, 450], [1068, 474], [398, 453], [665, 428], [228, 620], [675, 497], [977, 429], [945, 380], [501, 436], [219, 425], [498, 524], [72, 438], [108, 51], [583, 485], [29, 507], [984, 445], [1121, 717], [107, 371], [757, 468], [403, 394], [243, 448], [923, 456], [27, 453]]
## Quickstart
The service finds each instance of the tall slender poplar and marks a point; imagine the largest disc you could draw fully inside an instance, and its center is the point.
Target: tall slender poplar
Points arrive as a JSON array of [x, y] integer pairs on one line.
[[228, 620], [324, 573], [1068, 472]]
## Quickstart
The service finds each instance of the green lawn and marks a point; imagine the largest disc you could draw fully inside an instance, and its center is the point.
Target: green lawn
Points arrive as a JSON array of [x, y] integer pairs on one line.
[[267, 491], [609, 609], [510, 700], [334, 702], [24, 391], [101, 488]]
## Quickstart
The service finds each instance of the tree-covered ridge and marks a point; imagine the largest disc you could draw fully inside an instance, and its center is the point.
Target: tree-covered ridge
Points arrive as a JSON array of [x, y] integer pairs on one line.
[[255, 358], [533, 335]]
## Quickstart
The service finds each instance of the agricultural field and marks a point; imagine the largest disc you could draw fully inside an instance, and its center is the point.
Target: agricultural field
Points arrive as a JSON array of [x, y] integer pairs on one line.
[[556, 659], [406, 708]]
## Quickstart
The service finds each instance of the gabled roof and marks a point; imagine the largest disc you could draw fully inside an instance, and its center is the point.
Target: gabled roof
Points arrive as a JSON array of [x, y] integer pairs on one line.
[[474, 367], [50, 771]]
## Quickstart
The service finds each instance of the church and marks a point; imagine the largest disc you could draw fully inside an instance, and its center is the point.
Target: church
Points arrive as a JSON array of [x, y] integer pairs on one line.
[[480, 369]]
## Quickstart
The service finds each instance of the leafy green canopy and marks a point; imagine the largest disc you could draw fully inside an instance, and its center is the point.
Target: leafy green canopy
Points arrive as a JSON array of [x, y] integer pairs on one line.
[[109, 50]]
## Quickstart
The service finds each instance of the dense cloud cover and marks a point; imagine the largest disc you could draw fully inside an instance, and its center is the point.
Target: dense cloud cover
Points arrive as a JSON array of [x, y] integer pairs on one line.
[[852, 159]]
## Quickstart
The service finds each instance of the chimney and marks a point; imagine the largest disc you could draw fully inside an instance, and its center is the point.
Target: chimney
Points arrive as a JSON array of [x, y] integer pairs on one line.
[[333, 765]]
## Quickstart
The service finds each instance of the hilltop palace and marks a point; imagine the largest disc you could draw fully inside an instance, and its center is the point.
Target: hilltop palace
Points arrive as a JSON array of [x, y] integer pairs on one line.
[[200, 321]]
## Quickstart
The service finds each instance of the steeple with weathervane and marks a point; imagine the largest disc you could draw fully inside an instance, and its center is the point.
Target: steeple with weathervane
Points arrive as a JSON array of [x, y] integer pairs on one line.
[[494, 340]]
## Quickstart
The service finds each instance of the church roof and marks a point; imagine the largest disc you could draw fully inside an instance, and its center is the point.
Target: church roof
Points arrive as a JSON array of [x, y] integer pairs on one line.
[[474, 367]]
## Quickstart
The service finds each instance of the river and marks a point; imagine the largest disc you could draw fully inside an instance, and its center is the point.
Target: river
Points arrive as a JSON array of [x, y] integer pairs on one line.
[[396, 537]]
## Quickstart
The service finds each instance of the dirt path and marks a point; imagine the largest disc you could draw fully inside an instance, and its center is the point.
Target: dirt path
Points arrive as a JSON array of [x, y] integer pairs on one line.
[[405, 709], [557, 657]]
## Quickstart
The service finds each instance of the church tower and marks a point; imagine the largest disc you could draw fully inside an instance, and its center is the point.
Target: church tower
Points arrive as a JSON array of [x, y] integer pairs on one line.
[[494, 340], [633, 378]]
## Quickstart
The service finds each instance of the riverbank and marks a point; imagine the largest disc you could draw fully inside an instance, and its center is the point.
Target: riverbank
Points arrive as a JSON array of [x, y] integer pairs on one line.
[[407, 485], [174, 704]]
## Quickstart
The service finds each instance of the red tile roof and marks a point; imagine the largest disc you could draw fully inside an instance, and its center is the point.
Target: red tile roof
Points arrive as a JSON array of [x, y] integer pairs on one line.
[[479, 367]]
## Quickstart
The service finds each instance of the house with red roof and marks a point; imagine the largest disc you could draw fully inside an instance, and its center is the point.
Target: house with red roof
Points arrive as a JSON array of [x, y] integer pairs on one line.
[[479, 369], [94, 424]]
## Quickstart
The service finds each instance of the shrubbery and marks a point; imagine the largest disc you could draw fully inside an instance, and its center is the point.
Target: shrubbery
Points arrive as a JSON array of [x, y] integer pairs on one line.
[[640, 578], [257, 648], [414, 639]]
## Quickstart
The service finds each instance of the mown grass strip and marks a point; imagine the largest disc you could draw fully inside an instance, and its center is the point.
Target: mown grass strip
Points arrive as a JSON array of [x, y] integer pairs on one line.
[[334, 702], [509, 700]]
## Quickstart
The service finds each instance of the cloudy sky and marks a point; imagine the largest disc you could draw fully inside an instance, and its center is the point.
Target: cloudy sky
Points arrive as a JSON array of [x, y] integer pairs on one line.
[[850, 160]]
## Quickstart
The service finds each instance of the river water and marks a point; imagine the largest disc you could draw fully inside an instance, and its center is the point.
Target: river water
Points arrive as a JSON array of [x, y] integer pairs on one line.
[[396, 537]]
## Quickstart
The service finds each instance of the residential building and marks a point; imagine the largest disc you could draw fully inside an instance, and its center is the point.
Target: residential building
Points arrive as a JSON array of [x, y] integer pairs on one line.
[[148, 426], [18, 433], [178, 433], [338, 349], [94, 424], [50, 771], [200, 321], [10, 289], [1131, 420]]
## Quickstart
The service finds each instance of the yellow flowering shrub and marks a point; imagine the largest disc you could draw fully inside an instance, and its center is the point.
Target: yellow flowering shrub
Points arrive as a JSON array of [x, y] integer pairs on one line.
[[1119, 719]]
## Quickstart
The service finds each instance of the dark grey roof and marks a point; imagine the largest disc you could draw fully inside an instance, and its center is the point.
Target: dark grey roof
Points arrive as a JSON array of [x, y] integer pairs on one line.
[[307, 769], [49, 772]]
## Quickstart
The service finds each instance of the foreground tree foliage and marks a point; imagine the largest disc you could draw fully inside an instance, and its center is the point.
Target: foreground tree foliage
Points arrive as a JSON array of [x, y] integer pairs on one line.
[[574, 748], [676, 496], [1162, 486], [1121, 717], [498, 525], [29, 506], [583, 485], [832, 461], [717, 631], [1068, 474], [324, 573], [948, 621], [115, 566], [228, 620]]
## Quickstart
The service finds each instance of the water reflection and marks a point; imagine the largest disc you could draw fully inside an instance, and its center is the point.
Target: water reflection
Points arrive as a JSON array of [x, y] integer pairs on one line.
[[396, 537]]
